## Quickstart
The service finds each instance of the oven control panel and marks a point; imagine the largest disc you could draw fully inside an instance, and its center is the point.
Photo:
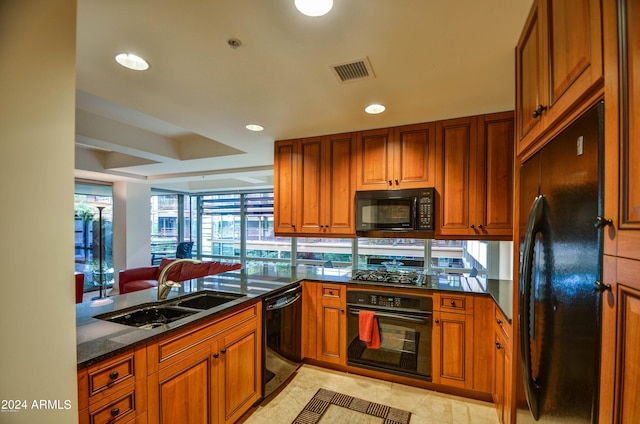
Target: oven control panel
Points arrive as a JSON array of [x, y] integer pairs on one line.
[[389, 300], [385, 301]]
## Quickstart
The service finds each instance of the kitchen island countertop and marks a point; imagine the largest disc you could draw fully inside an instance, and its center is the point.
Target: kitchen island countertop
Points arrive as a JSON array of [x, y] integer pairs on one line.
[[98, 340]]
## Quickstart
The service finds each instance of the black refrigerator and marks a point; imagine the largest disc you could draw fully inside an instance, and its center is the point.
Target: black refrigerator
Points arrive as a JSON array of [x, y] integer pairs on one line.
[[559, 308]]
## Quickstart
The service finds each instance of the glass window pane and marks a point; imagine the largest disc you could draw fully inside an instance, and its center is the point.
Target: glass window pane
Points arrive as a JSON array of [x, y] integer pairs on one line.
[[333, 252], [88, 246], [261, 241], [164, 226], [221, 225], [373, 251]]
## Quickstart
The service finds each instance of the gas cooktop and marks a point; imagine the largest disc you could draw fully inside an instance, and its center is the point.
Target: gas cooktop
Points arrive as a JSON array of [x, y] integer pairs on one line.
[[410, 278]]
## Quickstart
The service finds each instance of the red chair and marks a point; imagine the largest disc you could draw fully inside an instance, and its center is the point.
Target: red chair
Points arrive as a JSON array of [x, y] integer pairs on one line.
[[79, 286]]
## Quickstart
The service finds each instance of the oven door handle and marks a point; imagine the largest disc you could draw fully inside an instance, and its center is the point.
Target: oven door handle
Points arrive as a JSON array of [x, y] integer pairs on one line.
[[395, 316]]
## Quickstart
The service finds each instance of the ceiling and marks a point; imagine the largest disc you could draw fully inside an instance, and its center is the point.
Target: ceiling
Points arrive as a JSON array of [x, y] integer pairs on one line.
[[181, 124]]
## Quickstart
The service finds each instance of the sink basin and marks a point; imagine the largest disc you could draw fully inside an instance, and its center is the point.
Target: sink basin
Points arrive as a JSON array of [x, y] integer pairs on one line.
[[147, 317], [206, 300]]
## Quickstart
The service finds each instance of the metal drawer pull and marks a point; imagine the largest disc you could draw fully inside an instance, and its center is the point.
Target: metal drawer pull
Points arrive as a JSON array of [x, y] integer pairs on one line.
[[115, 412], [114, 375]]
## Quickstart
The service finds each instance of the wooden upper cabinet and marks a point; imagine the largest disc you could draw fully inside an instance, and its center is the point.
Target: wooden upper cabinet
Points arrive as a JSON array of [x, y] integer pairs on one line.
[[314, 186], [285, 192], [399, 157], [623, 169], [475, 177], [558, 65], [494, 183], [457, 149]]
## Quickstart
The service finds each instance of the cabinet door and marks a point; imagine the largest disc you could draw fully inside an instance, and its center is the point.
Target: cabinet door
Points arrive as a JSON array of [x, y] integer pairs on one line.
[[453, 349], [529, 83], [285, 187], [494, 167], [457, 144], [374, 160], [310, 184], [179, 393], [332, 324], [414, 156], [240, 370], [574, 59], [499, 364], [628, 203], [310, 313], [620, 375], [339, 185]]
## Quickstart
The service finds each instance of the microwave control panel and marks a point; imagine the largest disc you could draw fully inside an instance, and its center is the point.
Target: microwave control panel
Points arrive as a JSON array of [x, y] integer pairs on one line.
[[425, 210]]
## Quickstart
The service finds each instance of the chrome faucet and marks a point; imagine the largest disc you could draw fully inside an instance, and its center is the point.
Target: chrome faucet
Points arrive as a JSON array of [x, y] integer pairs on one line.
[[164, 287]]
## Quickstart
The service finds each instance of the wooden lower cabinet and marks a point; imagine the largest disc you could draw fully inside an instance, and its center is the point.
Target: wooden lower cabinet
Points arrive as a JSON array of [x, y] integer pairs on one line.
[[181, 392], [208, 374], [502, 365], [452, 341], [239, 370], [332, 324], [115, 390], [324, 322], [620, 369]]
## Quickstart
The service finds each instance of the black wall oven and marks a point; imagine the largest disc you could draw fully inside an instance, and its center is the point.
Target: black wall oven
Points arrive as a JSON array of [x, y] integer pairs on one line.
[[405, 325]]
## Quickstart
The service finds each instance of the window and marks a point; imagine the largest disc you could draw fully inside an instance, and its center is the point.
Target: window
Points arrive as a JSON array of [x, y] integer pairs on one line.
[[170, 223], [239, 227], [89, 198]]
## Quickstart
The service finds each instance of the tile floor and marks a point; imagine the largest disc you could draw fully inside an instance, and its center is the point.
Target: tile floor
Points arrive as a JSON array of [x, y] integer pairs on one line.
[[426, 407]]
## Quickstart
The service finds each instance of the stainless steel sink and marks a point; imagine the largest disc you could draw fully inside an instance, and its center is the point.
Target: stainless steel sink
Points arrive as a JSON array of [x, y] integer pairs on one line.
[[157, 314], [146, 316], [206, 299]]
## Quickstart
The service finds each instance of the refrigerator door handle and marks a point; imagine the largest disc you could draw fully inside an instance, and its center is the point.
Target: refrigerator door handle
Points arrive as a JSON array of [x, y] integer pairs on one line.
[[534, 224]]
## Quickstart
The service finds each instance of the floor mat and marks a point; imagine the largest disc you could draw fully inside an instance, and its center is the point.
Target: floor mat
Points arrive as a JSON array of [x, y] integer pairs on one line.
[[325, 399]]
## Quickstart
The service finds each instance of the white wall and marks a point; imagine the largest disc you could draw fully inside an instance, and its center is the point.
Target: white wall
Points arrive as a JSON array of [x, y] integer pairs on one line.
[[131, 226], [37, 118]]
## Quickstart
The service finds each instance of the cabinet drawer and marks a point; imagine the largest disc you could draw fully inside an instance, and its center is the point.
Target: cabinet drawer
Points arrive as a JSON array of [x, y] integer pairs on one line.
[[454, 303], [119, 408], [174, 347], [332, 291], [111, 375]]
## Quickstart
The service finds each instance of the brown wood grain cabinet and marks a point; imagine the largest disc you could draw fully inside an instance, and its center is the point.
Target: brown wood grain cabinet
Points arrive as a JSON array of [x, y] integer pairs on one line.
[[452, 341], [399, 157], [314, 186], [475, 177], [324, 322], [332, 324], [502, 386], [285, 170], [559, 63], [210, 373], [114, 391], [620, 373]]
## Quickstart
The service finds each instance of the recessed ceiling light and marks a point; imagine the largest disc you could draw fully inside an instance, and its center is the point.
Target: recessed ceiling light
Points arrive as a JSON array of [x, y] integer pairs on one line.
[[314, 7], [374, 109], [254, 127], [132, 61]]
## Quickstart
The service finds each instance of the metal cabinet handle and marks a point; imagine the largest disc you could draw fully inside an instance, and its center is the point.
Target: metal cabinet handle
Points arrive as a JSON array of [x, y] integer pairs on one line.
[[538, 111], [498, 345], [114, 375], [390, 183], [602, 222], [216, 355], [480, 226], [601, 287], [499, 321], [115, 412], [223, 351], [453, 303], [437, 321], [473, 226], [397, 182]]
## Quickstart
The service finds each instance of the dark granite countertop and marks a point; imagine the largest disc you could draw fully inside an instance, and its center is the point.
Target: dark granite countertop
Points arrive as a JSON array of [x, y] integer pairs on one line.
[[98, 340]]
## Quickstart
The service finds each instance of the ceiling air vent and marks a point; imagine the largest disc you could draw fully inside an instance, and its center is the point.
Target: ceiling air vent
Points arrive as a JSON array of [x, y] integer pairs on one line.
[[353, 70]]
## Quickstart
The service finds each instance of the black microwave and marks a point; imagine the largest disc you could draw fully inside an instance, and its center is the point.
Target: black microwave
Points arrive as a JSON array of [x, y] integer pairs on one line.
[[395, 210]]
